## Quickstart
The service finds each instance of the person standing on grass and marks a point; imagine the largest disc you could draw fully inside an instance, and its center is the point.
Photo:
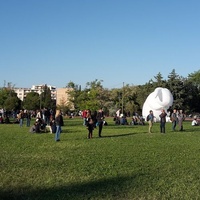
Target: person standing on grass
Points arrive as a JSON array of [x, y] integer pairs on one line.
[[162, 121], [90, 124], [118, 116], [150, 119], [20, 118], [100, 117], [181, 118], [174, 119], [84, 116], [38, 114], [28, 118], [58, 121]]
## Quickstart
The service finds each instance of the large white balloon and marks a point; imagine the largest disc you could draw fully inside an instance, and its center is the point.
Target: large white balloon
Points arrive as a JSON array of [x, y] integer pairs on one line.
[[160, 99]]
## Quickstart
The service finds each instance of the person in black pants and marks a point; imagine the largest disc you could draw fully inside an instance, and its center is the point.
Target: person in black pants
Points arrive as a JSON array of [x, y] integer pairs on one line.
[[162, 121], [100, 117]]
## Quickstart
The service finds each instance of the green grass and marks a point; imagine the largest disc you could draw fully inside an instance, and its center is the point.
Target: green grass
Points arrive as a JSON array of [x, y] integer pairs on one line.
[[126, 163]]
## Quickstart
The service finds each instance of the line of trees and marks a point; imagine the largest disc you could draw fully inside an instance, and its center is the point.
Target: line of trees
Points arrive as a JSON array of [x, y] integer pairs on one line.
[[10, 102], [186, 93]]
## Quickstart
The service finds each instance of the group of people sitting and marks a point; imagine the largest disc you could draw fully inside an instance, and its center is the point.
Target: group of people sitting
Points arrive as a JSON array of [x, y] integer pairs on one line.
[[4, 120], [120, 119], [39, 126], [42, 126]]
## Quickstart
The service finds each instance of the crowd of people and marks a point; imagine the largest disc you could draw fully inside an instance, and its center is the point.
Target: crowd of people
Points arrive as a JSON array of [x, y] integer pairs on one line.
[[121, 119], [176, 117], [44, 120], [93, 120], [48, 120]]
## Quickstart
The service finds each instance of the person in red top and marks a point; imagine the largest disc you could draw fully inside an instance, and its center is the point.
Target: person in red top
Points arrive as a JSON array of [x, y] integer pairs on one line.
[[84, 116]]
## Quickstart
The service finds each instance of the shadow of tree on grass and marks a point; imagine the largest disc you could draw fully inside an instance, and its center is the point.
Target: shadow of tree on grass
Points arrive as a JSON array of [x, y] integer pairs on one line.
[[110, 188]]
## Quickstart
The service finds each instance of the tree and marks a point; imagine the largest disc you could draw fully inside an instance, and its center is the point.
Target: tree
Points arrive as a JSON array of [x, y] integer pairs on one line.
[[92, 97], [71, 84], [75, 94], [97, 96], [8, 96], [175, 84], [193, 92], [32, 101], [195, 78], [46, 101], [130, 94], [192, 97], [3, 96], [159, 81], [12, 103], [185, 91]]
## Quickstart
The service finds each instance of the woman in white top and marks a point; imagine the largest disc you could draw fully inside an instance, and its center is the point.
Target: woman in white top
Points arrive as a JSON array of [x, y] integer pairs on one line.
[[195, 122]]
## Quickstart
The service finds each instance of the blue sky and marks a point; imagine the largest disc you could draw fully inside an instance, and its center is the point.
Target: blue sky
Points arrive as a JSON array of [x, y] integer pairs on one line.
[[57, 41]]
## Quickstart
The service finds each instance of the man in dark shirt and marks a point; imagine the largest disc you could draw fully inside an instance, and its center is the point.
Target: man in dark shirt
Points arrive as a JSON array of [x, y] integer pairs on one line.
[[100, 117], [162, 121]]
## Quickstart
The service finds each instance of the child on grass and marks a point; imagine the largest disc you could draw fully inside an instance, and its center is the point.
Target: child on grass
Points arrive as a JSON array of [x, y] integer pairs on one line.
[[90, 127]]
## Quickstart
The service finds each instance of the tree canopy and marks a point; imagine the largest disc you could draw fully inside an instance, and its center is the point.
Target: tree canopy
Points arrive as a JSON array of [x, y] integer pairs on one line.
[[130, 98], [186, 93]]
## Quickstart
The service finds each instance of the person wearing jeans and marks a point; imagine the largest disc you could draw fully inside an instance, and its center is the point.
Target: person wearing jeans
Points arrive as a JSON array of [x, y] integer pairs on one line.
[[28, 118], [20, 118], [58, 121]]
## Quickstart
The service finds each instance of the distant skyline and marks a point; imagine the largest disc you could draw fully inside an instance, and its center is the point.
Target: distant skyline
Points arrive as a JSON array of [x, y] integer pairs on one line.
[[55, 42]]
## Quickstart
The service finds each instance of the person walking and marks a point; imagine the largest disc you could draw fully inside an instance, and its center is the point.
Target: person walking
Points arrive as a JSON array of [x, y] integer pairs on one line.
[[100, 117], [174, 119], [58, 121], [162, 121], [181, 118], [150, 119]]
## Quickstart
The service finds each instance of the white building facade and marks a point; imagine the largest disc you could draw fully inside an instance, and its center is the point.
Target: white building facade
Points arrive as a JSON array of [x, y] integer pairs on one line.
[[22, 92]]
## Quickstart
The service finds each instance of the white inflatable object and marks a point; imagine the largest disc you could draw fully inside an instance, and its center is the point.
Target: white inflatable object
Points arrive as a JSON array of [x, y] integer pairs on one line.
[[160, 99]]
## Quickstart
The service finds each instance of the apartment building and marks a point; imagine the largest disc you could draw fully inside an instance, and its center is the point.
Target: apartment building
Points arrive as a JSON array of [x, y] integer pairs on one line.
[[61, 95], [22, 92]]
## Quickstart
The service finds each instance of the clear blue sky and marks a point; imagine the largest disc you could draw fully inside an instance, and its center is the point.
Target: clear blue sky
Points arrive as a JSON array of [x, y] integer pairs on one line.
[[131, 41]]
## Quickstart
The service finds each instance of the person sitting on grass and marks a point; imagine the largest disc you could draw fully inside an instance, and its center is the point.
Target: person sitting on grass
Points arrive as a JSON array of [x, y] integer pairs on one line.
[[195, 122]]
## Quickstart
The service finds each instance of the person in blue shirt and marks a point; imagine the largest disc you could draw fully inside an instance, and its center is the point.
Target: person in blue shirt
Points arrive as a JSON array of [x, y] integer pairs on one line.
[[150, 119]]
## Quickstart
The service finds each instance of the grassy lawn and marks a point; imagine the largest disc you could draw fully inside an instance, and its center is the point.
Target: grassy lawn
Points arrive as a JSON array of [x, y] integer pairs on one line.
[[126, 163]]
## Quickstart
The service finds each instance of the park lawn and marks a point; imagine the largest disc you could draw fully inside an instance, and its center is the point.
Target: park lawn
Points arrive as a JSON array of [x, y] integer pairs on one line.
[[126, 163]]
